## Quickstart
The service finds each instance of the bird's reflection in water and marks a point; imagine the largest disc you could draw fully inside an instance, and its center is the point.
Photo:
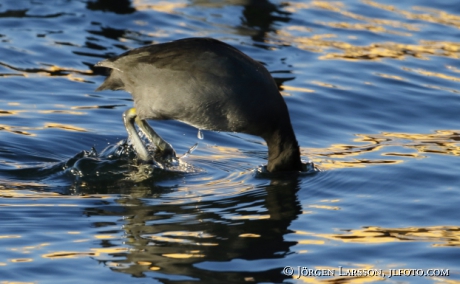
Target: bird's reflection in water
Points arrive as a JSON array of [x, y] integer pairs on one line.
[[168, 237]]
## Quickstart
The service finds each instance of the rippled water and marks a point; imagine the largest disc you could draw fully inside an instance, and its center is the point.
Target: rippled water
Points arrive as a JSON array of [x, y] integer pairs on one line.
[[373, 92]]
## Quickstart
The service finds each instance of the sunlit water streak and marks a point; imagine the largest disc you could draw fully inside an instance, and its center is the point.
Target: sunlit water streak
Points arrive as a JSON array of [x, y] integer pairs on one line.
[[372, 89]]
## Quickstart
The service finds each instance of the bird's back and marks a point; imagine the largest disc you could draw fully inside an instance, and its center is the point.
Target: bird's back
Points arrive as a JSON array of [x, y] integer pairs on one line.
[[200, 81]]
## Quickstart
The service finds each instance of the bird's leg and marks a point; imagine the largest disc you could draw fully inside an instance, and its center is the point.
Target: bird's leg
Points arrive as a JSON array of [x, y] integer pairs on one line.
[[129, 117], [164, 151]]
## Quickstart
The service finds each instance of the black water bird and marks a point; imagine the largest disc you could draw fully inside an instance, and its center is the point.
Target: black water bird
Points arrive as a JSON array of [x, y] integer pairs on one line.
[[207, 84]]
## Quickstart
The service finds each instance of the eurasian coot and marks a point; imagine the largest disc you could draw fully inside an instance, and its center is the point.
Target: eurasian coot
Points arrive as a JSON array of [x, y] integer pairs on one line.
[[208, 84]]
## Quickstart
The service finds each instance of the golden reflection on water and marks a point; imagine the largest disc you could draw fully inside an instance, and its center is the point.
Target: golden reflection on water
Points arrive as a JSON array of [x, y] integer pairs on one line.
[[431, 15], [444, 142], [250, 217], [10, 112], [248, 235], [63, 111], [161, 6], [50, 70], [304, 39], [67, 254], [50, 111], [374, 51], [439, 236], [65, 127], [24, 130], [9, 237], [17, 129], [95, 252], [411, 145], [432, 74]]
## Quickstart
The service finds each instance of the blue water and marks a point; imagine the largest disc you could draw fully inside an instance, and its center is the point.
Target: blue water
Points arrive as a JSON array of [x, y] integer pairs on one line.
[[372, 88]]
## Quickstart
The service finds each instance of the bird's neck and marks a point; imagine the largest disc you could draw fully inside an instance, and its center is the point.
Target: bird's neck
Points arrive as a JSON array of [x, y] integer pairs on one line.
[[283, 150]]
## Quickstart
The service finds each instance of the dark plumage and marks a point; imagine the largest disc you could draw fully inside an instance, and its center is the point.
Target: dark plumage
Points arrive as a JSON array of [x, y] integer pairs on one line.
[[207, 84]]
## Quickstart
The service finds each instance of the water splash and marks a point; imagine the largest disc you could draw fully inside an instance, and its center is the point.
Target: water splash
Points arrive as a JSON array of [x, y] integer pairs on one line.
[[119, 162], [189, 151], [200, 134]]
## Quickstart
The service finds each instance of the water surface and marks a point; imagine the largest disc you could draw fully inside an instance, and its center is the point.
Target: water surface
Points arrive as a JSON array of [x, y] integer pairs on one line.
[[373, 92]]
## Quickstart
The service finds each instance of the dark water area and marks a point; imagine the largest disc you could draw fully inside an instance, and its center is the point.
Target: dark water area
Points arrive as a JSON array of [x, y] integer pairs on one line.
[[372, 89]]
